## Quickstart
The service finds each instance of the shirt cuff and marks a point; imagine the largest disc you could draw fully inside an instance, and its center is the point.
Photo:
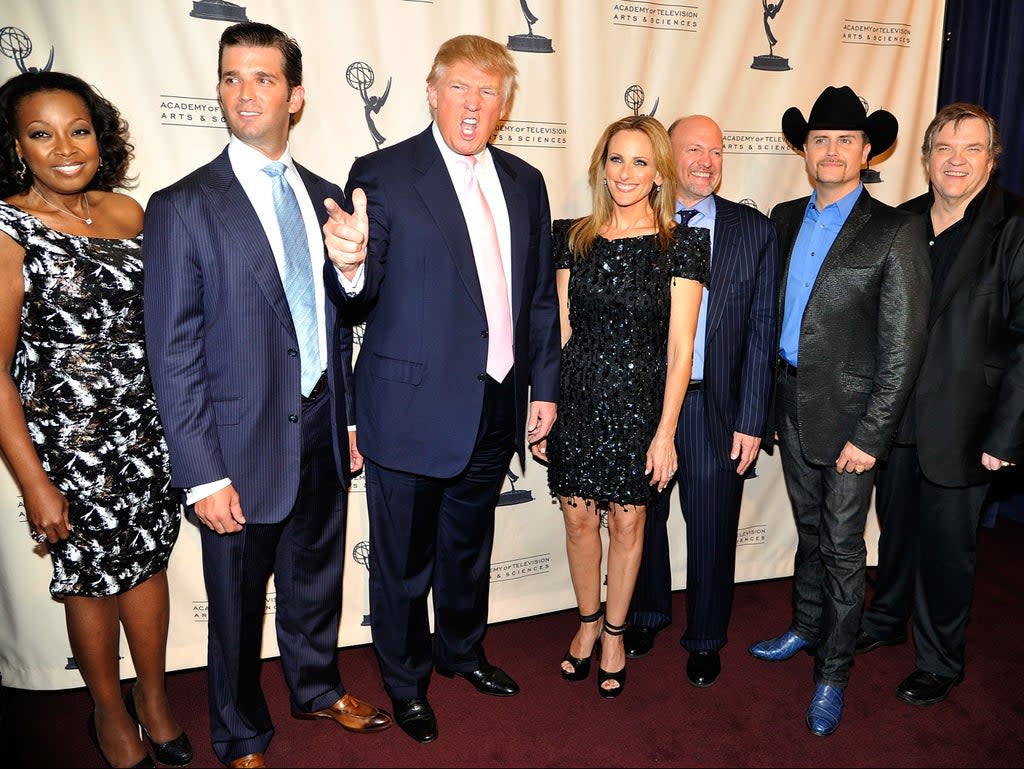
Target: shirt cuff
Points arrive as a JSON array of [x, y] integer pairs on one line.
[[354, 285], [203, 490]]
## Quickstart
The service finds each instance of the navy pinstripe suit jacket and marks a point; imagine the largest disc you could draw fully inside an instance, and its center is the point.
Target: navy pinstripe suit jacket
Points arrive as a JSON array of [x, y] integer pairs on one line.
[[739, 344], [222, 346]]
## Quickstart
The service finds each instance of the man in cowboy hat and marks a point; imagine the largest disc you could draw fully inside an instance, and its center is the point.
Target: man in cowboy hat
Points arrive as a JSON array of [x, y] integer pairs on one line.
[[853, 303]]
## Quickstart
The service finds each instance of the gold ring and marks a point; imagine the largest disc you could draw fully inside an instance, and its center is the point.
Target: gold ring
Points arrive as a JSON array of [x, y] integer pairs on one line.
[[859, 470], [1004, 464]]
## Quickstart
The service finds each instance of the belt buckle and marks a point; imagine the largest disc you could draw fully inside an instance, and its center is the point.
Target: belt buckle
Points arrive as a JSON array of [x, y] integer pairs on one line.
[[317, 389]]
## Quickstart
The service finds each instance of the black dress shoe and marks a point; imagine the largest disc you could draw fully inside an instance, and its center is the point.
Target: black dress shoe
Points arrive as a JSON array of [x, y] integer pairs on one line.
[[703, 667], [868, 643], [176, 752], [639, 640], [416, 718], [923, 688], [490, 679]]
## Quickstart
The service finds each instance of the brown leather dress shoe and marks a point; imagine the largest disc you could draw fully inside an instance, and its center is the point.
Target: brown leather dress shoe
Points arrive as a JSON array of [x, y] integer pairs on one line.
[[248, 761], [352, 714]]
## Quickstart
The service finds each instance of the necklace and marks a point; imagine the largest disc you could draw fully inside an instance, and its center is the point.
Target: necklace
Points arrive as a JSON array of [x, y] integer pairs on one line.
[[61, 209]]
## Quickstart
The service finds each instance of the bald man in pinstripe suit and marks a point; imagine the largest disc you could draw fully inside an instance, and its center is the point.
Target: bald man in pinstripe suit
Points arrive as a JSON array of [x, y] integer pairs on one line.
[[724, 413]]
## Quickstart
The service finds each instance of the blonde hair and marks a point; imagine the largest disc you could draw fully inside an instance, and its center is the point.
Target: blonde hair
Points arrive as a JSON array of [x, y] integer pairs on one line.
[[662, 197], [481, 52]]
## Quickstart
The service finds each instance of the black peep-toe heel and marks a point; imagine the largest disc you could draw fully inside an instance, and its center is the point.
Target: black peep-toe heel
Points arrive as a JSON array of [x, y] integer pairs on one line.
[[618, 676], [581, 665]]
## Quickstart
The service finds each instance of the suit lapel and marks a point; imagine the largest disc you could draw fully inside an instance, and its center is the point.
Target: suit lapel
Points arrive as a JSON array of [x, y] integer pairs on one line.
[[848, 233], [438, 196], [722, 261], [519, 227], [243, 229], [977, 245], [789, 222]]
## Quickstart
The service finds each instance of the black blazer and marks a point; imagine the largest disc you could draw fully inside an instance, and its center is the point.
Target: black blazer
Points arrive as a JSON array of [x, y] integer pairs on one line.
[[862, 336], [970, 393]]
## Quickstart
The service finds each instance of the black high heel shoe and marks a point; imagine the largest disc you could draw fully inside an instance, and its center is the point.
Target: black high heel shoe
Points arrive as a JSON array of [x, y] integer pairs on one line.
[[581, 665], [619, 676], [176, 752], [90, 726]]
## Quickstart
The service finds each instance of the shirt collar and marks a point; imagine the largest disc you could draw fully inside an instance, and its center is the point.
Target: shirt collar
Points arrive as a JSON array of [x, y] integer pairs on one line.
[[451, 157], [705, 208], [249, 161], [845, 204]]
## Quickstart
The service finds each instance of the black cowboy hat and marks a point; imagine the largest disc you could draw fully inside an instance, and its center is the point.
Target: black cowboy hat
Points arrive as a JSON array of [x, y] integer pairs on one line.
[[838, 109]]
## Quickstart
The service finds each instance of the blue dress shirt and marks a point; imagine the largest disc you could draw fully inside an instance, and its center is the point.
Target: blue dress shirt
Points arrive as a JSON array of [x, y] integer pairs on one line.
[[817, 234], [705, 217]]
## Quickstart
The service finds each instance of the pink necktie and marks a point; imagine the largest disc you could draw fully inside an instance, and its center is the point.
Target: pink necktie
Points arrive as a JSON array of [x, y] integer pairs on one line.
[[489, 269]]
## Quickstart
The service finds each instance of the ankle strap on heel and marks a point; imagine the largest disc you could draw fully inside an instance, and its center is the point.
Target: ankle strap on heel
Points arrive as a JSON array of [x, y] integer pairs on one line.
[[611, 629], [592, 617]]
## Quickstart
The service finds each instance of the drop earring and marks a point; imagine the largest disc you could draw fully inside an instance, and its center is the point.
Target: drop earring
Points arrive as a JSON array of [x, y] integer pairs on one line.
[[21, 172]]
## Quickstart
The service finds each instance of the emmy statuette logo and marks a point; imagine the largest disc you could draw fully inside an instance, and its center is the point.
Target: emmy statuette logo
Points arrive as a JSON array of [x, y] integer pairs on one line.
[[634, 98], [361, 555], [15, 44], [359, 76], [218, 10], [515, 496], [770, 61], [529, 43]]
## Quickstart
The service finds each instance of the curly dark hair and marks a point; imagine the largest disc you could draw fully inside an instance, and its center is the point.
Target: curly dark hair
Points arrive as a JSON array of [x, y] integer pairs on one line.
[[116, 151]]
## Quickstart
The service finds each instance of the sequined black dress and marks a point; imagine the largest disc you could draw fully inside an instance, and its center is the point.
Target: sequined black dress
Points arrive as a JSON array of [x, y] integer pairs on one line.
[[80, 366], [614, 364]]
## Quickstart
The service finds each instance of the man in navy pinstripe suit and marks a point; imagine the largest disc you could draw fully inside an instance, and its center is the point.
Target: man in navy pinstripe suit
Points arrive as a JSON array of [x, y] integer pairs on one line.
[[724, 413], [264, 460]]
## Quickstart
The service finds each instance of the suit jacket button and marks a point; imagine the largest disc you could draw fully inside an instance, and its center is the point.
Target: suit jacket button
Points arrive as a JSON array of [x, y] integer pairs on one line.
[[292, 352], [484, 333], [481, 377], [293, 418]]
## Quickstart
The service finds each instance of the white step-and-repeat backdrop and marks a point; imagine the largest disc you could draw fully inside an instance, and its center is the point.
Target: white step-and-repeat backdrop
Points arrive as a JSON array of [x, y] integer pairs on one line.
[[583, 64]]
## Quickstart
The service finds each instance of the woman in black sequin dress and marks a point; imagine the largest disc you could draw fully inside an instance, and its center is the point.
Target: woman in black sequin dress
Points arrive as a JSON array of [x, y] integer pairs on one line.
[[78, 420], [629, 286]]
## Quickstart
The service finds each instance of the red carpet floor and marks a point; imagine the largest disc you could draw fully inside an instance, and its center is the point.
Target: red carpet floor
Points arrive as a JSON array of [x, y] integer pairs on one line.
[[752, 717]]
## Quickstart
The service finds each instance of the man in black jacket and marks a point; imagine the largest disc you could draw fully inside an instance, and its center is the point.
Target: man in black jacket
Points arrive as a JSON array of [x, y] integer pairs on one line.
[[966, 418], [853, 302]]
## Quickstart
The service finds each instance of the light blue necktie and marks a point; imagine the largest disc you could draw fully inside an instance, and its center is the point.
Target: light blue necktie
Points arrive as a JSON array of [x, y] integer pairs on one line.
[[298, 274]]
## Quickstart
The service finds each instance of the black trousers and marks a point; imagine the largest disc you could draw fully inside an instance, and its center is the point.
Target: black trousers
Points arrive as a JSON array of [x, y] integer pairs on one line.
[[830, 510], [926, 561], [433, 536]]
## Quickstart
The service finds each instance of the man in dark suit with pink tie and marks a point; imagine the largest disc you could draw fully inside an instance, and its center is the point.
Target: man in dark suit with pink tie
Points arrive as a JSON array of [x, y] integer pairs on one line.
[[723, 416], [252, 376], [453, 345]]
